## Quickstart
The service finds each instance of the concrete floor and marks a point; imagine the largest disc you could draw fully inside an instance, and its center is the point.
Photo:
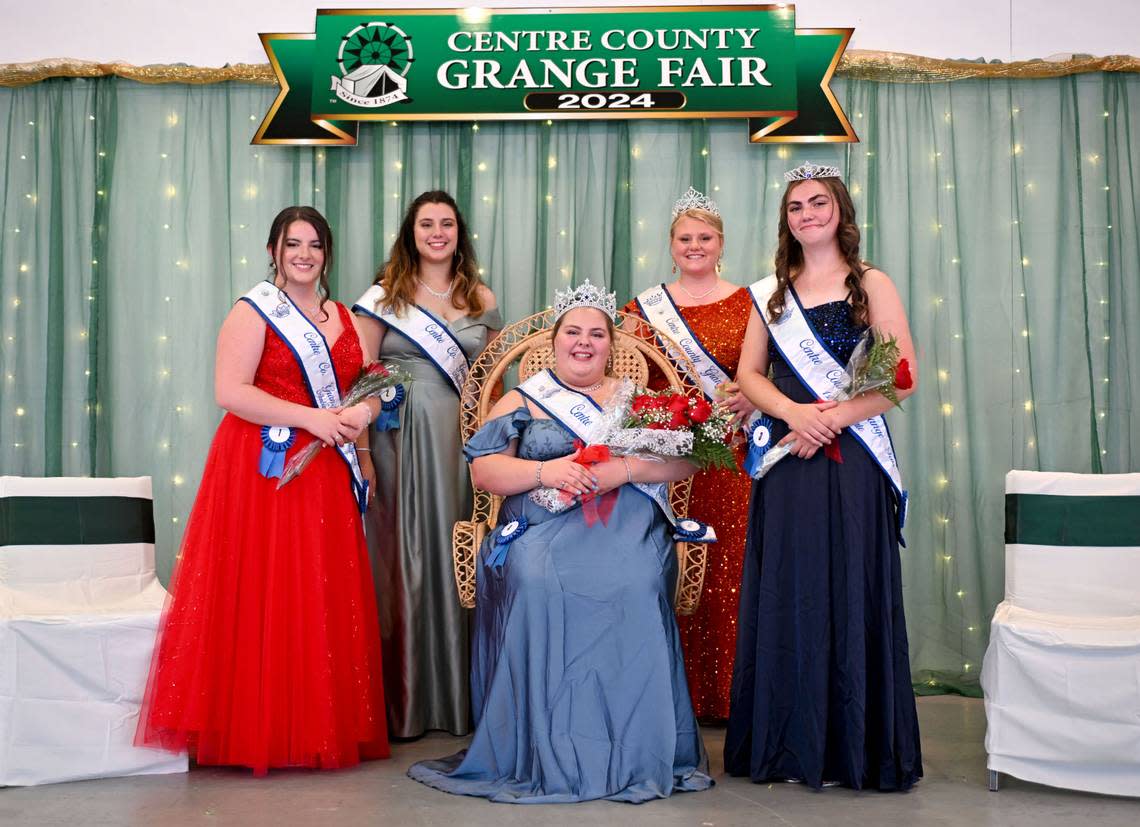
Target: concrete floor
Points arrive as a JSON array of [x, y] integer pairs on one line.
[[953, 792]]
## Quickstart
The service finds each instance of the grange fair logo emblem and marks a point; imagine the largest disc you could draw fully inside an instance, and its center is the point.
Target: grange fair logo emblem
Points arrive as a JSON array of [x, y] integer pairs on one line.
[[374, 59]]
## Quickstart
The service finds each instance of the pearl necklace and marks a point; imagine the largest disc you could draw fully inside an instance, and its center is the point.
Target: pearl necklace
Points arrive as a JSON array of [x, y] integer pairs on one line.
[[716, 284], [444, 295], [590, 389]]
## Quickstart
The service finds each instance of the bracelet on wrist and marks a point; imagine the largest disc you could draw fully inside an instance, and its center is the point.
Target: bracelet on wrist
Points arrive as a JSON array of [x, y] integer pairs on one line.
[[628, 471], [538, 473]]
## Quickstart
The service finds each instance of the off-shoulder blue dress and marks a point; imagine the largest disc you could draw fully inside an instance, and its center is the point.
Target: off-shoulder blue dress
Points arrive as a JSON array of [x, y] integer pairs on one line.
[[577, 683]]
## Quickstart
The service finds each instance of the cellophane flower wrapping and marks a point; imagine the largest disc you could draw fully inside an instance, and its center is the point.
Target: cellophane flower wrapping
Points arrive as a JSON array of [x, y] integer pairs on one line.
[[875, 365], [371, 380]]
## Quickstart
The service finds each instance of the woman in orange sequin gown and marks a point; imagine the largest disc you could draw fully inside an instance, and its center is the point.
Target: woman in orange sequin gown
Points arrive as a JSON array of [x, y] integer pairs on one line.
[[268, 653], [717, 313]]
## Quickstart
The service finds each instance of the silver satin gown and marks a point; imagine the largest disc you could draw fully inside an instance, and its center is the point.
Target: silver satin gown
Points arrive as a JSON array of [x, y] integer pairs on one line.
[[423, 488]]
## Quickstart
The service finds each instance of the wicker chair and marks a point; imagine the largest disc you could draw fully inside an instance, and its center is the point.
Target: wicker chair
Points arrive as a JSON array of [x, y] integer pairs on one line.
[[528, 343]]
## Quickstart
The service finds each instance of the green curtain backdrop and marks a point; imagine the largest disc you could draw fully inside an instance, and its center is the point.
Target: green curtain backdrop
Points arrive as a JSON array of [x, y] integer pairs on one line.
[[131, 216]]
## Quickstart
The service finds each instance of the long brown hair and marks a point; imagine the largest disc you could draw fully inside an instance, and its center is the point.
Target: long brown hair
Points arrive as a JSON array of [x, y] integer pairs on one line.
[[398, 274], [314, 219], [790, 255]]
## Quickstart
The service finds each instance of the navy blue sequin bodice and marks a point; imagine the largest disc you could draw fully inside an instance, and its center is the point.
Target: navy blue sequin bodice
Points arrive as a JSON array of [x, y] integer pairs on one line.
[[835, 325]]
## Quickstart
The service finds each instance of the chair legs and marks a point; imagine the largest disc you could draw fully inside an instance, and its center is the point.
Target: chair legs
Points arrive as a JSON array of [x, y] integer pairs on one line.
[[994, 776]]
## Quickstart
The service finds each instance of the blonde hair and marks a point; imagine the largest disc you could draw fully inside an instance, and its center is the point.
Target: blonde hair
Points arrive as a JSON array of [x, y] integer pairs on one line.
[[710, 218]]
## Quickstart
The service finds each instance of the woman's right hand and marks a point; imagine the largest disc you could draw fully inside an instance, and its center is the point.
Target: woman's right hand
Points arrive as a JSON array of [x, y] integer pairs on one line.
[[324, 425], [568, 476], [808, 425]]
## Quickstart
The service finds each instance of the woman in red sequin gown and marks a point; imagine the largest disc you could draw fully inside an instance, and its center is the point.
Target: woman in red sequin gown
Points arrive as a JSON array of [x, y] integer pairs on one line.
[[268, 654], [717, 312]]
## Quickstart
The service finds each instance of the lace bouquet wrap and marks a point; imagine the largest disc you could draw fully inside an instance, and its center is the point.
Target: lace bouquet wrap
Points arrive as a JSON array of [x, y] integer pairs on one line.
[[656, 425]]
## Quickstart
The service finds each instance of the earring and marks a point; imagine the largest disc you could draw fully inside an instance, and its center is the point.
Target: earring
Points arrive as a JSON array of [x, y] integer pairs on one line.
[[674, 268], [719, 266], [610, 364]]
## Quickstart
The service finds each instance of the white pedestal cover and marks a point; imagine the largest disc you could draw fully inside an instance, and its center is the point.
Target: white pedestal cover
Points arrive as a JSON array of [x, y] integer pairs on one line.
[[1061, 675], [77, 628]]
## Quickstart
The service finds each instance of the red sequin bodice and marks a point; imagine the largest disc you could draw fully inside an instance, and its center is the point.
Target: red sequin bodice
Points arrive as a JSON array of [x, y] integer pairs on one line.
[[279, 374]]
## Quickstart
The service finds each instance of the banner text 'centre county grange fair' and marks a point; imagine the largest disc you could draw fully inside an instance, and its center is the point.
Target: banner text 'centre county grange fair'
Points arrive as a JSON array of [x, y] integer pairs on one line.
[[483, 64]]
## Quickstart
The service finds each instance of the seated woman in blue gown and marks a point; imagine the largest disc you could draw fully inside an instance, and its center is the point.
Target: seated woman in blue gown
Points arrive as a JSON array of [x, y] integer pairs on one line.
[[577, 682]]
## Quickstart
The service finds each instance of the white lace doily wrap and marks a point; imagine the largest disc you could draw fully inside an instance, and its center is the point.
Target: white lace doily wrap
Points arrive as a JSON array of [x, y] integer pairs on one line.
[[651, 441], [552, 499]]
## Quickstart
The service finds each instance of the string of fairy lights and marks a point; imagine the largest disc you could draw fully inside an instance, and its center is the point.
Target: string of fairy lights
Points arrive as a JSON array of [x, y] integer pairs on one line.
[[937, 495]]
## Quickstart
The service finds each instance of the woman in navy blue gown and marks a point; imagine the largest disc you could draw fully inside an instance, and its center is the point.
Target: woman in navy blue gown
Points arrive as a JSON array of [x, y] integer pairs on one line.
[[577, 682], [821, 688]]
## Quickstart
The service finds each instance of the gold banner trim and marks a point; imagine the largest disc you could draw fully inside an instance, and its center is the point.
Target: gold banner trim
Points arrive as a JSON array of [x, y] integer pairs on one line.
[[890, 67]]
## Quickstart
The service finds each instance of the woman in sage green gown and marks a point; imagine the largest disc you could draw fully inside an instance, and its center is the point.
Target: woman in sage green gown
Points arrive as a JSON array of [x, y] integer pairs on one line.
[[427, 292]]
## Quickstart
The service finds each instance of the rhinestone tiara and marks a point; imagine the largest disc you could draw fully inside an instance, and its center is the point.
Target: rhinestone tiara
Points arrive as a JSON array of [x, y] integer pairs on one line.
[[694, 200], [808, 170], [585, 295]]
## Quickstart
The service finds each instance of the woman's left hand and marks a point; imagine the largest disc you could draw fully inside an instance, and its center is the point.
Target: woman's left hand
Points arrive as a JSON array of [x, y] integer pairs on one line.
[[611, 474], [352, 421]]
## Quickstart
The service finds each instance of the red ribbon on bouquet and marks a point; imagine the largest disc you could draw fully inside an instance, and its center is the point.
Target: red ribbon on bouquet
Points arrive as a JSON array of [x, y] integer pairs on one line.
[[831, 449], [595, 508]]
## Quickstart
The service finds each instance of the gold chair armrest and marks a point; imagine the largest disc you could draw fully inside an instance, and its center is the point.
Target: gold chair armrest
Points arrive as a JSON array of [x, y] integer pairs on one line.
[[466, 537], [692, 559]]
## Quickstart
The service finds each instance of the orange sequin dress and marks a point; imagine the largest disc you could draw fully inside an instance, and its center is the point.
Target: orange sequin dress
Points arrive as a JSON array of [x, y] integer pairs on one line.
[[719, 498], [268, 652]]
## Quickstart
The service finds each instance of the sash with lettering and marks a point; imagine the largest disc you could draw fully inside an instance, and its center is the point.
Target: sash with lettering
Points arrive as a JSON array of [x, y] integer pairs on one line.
[[816, 367], [429, 334], [579, 414], [312, 354], [658, 308]]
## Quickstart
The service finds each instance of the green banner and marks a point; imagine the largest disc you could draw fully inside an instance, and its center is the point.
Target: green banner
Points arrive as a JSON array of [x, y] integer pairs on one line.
[[483, 64]]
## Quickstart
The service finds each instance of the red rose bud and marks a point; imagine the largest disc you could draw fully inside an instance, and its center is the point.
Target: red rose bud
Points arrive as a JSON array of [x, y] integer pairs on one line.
[[678, 404], [903, 380], [679, 420], [376, 369], [701, 411]]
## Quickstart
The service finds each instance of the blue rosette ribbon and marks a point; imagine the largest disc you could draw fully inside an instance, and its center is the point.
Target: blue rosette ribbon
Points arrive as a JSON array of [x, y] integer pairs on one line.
[[275, 441], [503, 538], [390, 401], [759, 441], [689, 530]]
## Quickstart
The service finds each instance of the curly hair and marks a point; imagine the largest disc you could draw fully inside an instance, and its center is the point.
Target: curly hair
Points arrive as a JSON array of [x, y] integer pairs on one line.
[[790, 255], [398, 274], [314, 219]]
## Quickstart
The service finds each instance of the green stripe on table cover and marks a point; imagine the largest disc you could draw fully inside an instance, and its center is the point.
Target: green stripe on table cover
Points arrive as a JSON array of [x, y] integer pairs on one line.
[[1055, 520], [65, 521]]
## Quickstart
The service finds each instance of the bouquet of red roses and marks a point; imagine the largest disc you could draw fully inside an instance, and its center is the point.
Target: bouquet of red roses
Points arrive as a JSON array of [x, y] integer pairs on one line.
[[372, 381], [875, 365], [694, 429], [647, 424]]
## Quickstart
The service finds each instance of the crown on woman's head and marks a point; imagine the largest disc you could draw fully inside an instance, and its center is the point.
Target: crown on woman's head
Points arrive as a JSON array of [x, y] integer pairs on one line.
[[807, 171], [694, 200], [585, 295]]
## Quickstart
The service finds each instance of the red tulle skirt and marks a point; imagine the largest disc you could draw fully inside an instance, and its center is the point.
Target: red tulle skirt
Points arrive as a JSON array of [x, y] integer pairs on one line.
[[268, 654]]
